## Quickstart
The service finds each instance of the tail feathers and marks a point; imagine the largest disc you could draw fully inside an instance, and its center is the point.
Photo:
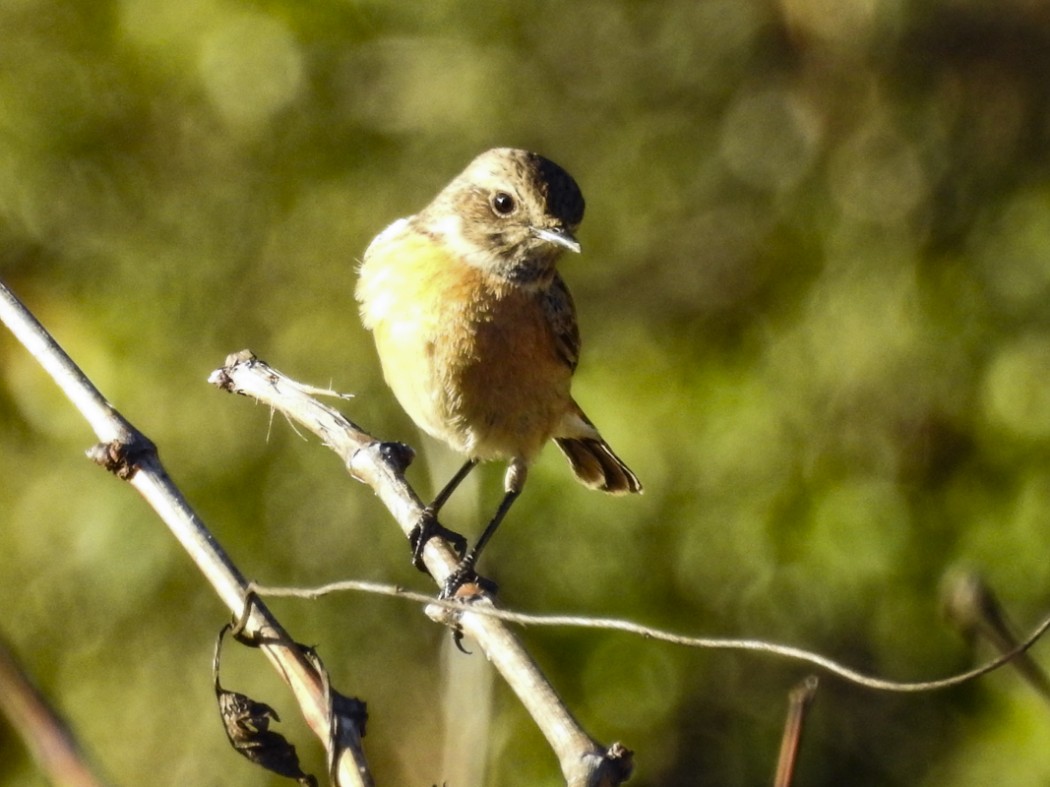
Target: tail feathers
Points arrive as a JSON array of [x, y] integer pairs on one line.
[[595, 464]]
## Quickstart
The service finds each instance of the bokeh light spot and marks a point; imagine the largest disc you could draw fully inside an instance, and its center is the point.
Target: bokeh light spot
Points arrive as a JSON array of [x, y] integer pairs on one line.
[[877, 176], [1017, 387], [770, 138], [251, 67]]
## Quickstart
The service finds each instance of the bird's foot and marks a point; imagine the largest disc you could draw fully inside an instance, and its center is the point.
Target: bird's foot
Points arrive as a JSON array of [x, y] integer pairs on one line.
[[427, 528], [465, 582]]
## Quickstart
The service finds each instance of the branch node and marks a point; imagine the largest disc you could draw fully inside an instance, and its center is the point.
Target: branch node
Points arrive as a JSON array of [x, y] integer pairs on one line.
[[397, 455], [620, 761], [123, 457], [608, 768], [394, 458]]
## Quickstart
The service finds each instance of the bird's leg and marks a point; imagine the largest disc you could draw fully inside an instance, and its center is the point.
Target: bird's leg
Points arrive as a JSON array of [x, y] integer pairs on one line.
[[513, 483], [428, 526]]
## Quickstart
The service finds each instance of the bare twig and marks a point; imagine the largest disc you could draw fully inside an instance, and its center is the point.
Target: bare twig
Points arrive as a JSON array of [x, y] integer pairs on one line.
[[49, 740], [799, 701], [778, 650], [131, 456], [583, 761], [972, 606]]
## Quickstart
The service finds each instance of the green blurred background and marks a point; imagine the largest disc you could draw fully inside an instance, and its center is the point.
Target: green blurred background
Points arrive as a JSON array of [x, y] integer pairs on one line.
[[813, 297]]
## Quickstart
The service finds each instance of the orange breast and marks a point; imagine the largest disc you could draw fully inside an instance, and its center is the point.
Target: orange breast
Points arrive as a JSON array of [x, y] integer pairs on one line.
[[514, 387], [470, 357]]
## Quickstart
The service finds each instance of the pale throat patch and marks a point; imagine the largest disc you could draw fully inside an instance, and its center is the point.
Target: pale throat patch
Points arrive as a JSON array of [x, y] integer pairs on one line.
[[450, 228]]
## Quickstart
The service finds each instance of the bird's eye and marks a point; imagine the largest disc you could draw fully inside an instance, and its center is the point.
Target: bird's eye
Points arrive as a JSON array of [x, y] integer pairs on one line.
[[503, 203]]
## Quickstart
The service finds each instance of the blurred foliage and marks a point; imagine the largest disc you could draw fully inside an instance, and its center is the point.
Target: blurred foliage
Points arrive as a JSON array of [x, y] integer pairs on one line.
[[814, 301]]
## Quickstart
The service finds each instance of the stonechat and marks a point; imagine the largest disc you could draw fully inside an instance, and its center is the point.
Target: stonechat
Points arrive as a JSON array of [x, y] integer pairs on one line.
[[476, 331]]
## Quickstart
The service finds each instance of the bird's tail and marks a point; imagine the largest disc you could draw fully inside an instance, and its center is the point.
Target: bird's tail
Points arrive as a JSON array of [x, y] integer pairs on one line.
[[595, 464]]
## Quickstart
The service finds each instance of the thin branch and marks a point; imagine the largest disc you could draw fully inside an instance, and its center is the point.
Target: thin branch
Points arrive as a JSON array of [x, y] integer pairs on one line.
[[131, 456], [583, 761], [103, 418], [800, 699], [45, 733], [789, 652], [971, 605]]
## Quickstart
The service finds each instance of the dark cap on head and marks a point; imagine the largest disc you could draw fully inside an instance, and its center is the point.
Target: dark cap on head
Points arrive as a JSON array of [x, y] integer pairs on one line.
[[560, 195], [512, 212]]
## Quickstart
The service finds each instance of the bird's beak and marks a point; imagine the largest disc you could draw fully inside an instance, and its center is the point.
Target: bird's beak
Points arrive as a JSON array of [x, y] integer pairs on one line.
[[559, 236]]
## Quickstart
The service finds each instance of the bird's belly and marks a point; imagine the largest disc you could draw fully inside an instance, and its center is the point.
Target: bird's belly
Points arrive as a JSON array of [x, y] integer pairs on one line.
[[471, 359], [512, 399], [487, 384]]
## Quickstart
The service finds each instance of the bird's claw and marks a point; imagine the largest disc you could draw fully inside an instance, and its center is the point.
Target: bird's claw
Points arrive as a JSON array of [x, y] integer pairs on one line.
[[427, 528], [465, 583]]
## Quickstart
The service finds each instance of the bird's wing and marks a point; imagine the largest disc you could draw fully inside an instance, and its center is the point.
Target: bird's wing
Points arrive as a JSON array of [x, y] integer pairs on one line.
[[561, 316]]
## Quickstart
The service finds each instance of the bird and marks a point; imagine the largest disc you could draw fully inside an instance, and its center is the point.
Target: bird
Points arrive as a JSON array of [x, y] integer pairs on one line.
[[476, 330]]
